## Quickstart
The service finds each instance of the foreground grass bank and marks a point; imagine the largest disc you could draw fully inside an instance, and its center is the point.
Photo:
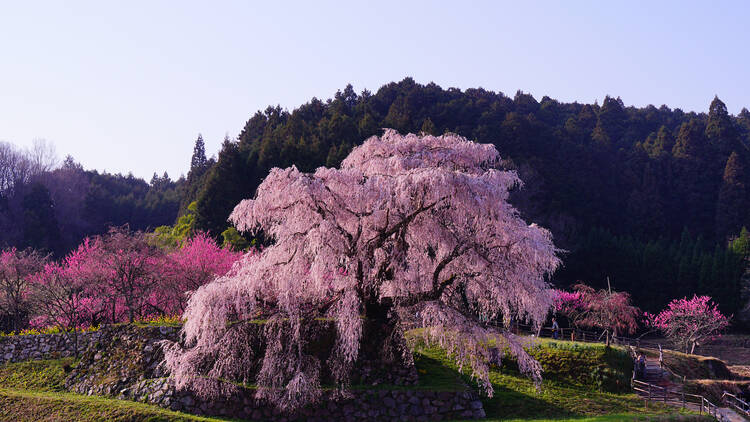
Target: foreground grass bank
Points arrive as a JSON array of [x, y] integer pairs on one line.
[[25, 405], [33, 390]]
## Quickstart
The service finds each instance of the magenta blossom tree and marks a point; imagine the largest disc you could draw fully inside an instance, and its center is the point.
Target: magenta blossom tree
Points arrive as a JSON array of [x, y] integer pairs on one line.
[[570, 305], [198, 261], [62, 300], [687, 322], [409, 225], [608, 310], [122, 269]]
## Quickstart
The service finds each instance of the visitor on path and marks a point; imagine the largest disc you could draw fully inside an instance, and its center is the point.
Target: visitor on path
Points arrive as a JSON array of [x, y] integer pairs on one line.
[[661, 358], [555, 329], [640, 366]]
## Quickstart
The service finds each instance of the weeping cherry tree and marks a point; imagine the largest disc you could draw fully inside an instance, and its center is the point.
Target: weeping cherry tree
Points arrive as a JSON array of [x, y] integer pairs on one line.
[[410, 229]]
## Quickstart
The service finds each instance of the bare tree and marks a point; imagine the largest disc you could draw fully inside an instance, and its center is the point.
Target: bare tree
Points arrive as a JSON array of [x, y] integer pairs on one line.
[[16, 268]]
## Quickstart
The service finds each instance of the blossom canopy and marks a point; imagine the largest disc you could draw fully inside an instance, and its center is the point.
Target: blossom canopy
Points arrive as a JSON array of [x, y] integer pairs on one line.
[[689, 321], [408, 225]]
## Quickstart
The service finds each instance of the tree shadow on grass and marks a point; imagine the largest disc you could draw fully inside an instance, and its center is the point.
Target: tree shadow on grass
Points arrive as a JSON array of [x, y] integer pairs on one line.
[[435, 374], [507, 403]]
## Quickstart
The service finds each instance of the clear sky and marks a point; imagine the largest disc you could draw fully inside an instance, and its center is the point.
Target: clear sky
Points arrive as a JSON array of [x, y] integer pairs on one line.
[[128, 85]]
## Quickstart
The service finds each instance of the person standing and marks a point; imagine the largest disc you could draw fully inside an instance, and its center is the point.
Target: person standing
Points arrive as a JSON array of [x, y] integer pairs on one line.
[[641, 366], [661, 358], [555, 329]]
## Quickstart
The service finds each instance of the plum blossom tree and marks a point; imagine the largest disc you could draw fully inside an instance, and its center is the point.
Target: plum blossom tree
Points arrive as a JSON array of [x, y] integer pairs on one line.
[[687, 322], [198, 261], [124, 270], [119, 277], [16, 267], [607, 310], [62, 300], [571, 305], [408, 225]]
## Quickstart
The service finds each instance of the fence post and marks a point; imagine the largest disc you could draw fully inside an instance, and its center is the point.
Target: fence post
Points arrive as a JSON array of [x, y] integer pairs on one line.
[[683, 399]]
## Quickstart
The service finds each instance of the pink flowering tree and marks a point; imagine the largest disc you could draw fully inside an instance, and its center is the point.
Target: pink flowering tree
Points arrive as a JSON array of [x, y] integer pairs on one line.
[[62, 300], [123, 270], [607, 310], [16, 268], [408, 225], [198, 261], [570, 305], [687, 322]]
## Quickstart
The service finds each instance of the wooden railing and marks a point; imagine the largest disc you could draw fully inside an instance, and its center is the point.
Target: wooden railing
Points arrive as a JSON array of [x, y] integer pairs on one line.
[[580, 335], [736, 403], [656, 393], [649, 392]]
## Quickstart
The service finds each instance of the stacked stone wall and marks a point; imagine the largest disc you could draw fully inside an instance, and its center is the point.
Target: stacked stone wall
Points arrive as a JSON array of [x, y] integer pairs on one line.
[[43, 346], [123, 362]]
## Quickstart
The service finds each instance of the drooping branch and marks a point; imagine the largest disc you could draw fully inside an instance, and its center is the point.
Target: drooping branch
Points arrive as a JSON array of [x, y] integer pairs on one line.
[[407, 222]]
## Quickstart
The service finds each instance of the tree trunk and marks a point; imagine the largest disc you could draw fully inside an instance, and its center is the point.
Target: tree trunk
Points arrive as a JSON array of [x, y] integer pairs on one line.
[[382, 349], [75, 342]]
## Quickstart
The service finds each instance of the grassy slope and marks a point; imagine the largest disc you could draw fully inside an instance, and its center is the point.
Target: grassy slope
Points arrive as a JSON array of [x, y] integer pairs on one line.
[[564, 395], [31, 391], [25, 405]]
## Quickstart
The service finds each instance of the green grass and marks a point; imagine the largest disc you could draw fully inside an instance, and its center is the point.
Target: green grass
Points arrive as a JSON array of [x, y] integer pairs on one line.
[[35, 375], [563, 396], [24, 405], [619, 418], [33, 390]]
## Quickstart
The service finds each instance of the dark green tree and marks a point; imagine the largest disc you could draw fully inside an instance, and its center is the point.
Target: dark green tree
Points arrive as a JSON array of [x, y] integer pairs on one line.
[[720, 131], [40, 228], [218, 196], [428, 127], [731, 208], [198, 161]]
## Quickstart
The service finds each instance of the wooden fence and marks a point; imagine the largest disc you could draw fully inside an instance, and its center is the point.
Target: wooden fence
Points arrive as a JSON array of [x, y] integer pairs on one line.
[[656, 393]]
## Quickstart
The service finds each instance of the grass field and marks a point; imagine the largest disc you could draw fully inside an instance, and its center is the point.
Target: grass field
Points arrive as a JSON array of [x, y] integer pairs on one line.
[[562, 396], [33, 391]]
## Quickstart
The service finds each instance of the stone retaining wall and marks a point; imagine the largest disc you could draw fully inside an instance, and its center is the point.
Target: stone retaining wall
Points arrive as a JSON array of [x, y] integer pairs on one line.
[[123, 362], [363, 405], [43, 346]]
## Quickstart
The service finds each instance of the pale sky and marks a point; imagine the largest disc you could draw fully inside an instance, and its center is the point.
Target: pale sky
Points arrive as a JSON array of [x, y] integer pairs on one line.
[[127, 86]]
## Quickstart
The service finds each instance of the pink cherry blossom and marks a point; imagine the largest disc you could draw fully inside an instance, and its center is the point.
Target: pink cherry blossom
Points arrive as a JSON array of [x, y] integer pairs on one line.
[[408, 225]]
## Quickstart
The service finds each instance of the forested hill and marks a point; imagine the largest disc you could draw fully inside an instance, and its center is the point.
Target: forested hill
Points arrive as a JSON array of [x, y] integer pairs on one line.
[[52, 207], [647, 196]]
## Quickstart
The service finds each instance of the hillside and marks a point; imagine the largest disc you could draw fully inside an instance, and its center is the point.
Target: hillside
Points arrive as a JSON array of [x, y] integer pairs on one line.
[[646, 196], [51, 207]]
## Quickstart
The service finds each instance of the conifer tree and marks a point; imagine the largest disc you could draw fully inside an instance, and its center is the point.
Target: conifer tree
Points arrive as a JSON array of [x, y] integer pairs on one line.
[[719, 129], [664, 140], [198, 161], [732, 205], [428, 127]]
